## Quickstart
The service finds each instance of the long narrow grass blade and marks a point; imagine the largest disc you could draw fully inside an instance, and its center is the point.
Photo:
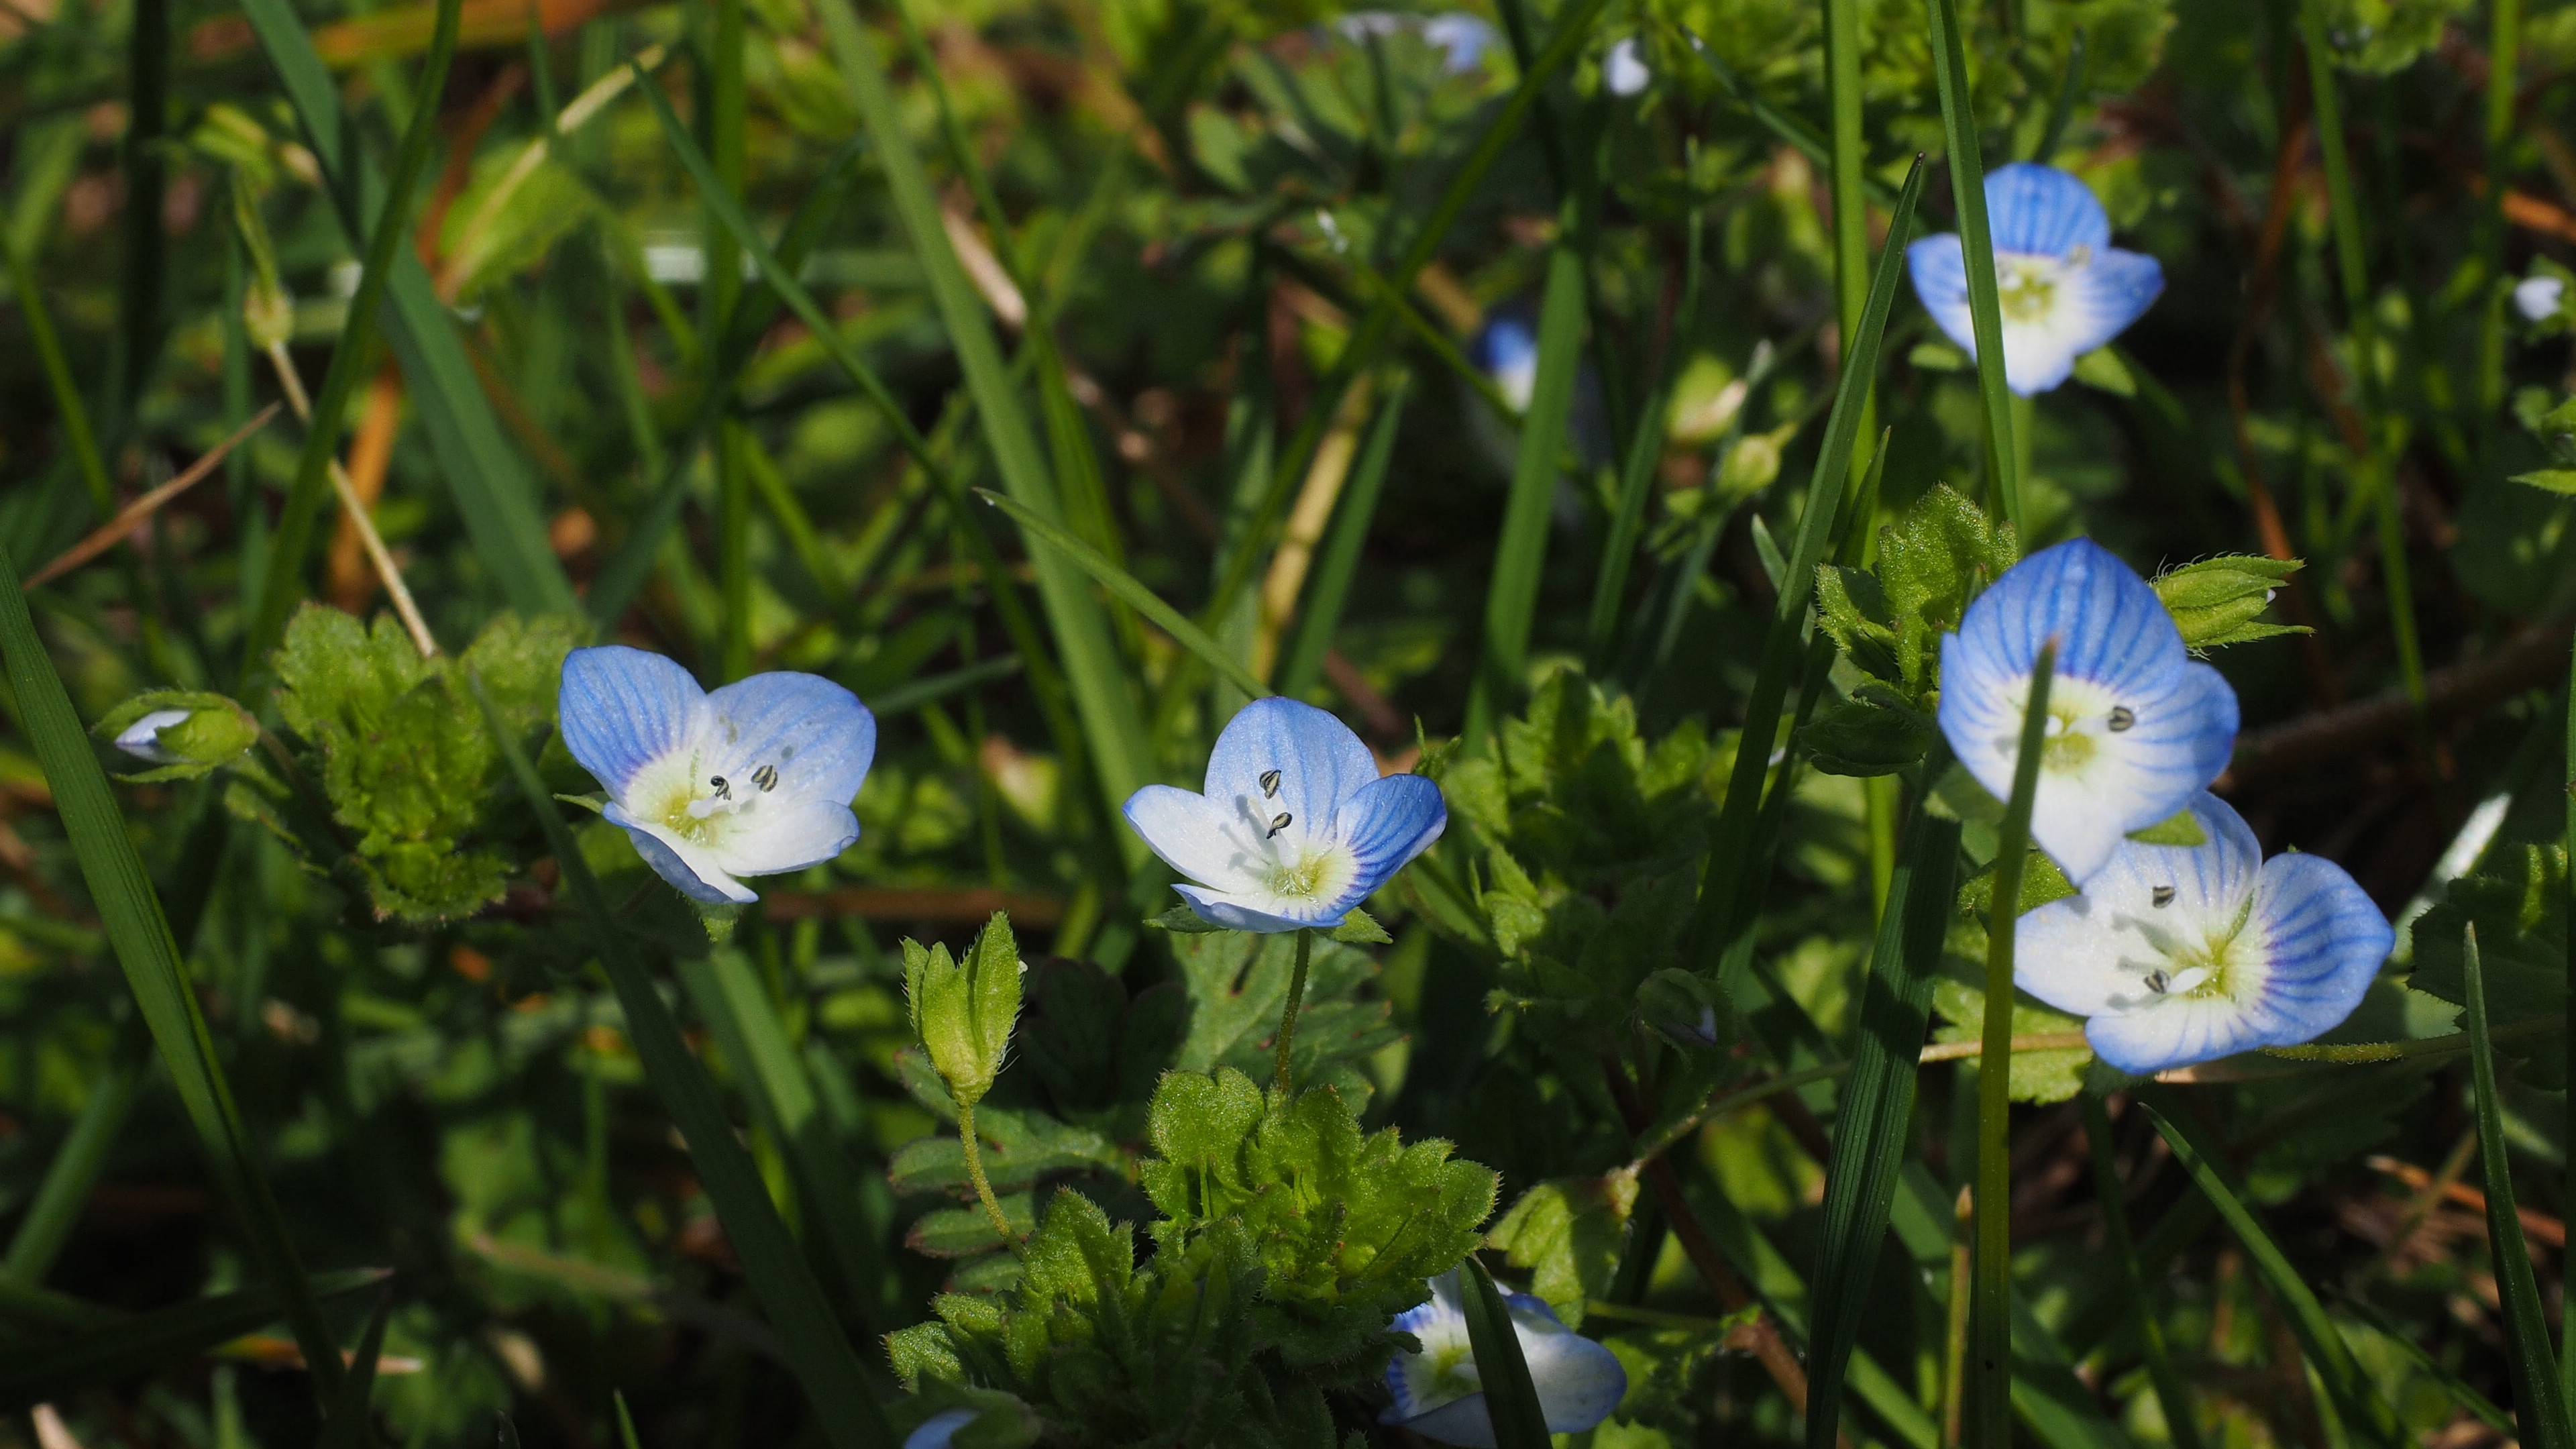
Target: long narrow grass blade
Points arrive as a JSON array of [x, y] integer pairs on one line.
[[349, 357], [1730, 854], [2182, 1423], [2539, 1407], [2365, 1412], [1122, 756], [346, 1428], [780, 1278], [1520, 556], [494, 494], [1637, 472], [1511, 1400], [59, 1199], [144, 267], [2480, 1407], [69, 411], [1321, 614], [121, 1351], [1977, 246], [1138, 597], [2567, 1103], [140, 933], [1990, 1305], [1877, 1104]]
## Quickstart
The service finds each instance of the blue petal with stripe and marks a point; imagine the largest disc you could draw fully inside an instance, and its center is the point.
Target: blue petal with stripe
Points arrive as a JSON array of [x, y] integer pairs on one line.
[[1439, 1394], [1294, 828], [2043, 211], [2137, 727], [2064, 290], [2178, 955]]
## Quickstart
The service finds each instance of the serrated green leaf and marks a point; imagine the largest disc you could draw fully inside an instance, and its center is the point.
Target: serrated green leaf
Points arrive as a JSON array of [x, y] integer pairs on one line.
[[1851, 607], [1931, 562], [1359, 928], [1874, 732], [2181, 830], [2554, 480], [1568, 1233]]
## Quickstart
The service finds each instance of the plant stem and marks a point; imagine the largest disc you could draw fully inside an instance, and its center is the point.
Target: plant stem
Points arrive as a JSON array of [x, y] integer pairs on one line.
[[1954, 1359], [975, 1173], [2567, 1105], [1993, 1320], [2180, 1426], [1288, 1015]]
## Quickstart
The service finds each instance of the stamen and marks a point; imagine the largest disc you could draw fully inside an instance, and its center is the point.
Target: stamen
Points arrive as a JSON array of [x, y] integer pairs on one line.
[[2163, 895], [1270, 784], [2158, 982], [766, 777], [723, 790], [2122, 717], [1279, 822]]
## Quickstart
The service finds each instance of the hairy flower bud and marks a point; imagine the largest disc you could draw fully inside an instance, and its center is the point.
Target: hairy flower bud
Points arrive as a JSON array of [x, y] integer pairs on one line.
[[963, 1010], [184, 733]]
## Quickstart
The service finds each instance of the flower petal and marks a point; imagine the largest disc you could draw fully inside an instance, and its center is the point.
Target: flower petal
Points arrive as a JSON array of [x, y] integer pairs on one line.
[[692, 871], [1200, 838], [1389, 822], [770, 835], [2044, 211], [1413, 1377], [2098, 300], [939, 1430], [622, 709], [1246, 912], [2155, 727], [1939, 271], [817, 734], [2087, 954], [1579, 1381], [1321, 763]]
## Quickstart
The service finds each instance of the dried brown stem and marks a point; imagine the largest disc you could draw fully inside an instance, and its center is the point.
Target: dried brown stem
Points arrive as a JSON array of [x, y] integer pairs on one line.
[[105, 535]]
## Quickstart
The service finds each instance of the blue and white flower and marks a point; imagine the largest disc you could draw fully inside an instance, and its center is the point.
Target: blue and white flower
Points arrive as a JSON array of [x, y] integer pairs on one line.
[[1439, 1395], [939, 1430], [2540, 297], [1295, 827], [1625, 70], [142, 739], [2178, 955], [753, 779], [2136, 727], [2065, 289], [1461, 38], [1506, 350]]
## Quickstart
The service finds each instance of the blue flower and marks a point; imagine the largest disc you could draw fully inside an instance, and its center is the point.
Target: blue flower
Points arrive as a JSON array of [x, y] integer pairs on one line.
[[142, 739], [1295, 827], [2182, 955], [754, 779], [1506, 350], [1439, 1395], [2136, 727], [2065, 289], [1461, 38], [937, 1431], [1624, 70]]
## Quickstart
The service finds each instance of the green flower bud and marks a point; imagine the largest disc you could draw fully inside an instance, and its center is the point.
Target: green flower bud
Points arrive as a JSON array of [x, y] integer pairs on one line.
[[963, 1011], [268, 314], [2218, 600], [183, 733]]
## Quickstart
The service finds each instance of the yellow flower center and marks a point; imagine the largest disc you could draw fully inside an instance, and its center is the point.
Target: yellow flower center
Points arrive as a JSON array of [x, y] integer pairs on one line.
[[2028, 286]]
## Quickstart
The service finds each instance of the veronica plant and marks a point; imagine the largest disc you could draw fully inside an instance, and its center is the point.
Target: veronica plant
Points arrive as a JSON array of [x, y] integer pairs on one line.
[[2065, 289], [2137, 728], [1293, 829], [2178, 955], [1439, 1395], [753, 779]]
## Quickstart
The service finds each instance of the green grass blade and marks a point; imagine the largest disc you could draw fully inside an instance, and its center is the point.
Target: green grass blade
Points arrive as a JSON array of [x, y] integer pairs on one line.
[[494, 494], [1990, 1305], [2479, 1405], [347, 1426], [1321, 614], [2182, 1422], [1511, 1400], [145, 162], [2567, 1104], [1121, 752], [349, 357], [1730, 856], [1138, 597], [817, 1348], [1877, 1103], [69, 410], [2364, 1411], [1977, 246], [1637, 472], [118, 1352], [154, 969], [1520, 557], [60, 1198], [2538, 1405]]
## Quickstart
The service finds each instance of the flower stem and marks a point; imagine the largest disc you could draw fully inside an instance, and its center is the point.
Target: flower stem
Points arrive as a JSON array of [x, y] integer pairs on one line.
[[1288, 1016], [1993, 1283], [975, 1173]]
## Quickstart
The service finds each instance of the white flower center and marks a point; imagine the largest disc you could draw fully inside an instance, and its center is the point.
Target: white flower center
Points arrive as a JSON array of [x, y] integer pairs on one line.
[[2081, 715], [2209, 958], [697, 801]]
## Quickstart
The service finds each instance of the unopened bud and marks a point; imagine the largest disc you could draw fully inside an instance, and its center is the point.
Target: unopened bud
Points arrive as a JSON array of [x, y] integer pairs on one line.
[[1682, 1005], [184, 733], [963, 1010], [268, 314]]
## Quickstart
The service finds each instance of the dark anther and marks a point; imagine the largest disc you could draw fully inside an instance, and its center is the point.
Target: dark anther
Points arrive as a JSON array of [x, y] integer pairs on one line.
[[2163, 895], [723, 790], [2122, 717], [1270, 784], [1278, 823], [766, 777], [2157, 981]]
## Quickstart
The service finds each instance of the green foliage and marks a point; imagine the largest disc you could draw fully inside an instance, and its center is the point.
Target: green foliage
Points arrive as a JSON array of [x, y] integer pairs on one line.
[[963, 1010], [1932, 561], [2381, 37], [2519, 906], [2178, 829], [2217, 600], [1874, 732], [404, 759], [1567, 1234]]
